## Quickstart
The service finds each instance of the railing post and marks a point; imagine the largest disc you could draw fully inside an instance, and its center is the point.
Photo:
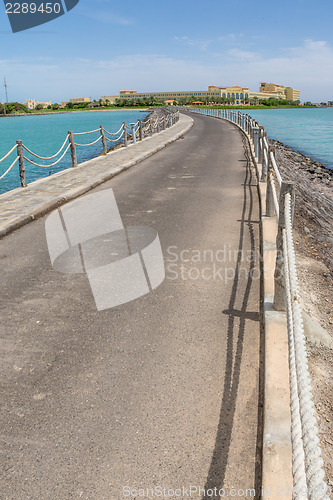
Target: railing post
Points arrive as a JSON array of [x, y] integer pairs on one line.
[[265, 159], [103, 140], [279, 303], [252, 130], [260, 144], [20, 155], [72, 148], [270, 208], [133, 133], [264, 168], [125, 134], [256, 141], [140, 130]]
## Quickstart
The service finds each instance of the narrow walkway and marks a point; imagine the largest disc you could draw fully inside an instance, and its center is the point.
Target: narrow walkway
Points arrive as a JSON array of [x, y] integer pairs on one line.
[[162, 391]]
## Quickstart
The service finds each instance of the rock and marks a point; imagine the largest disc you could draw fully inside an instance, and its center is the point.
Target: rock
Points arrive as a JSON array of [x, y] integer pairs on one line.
[[306, 230], [315, 332]]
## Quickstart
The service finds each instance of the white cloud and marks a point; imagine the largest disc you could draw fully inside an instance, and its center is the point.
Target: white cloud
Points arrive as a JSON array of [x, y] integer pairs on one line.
[[308, 67], [202, 44], [242, 54]]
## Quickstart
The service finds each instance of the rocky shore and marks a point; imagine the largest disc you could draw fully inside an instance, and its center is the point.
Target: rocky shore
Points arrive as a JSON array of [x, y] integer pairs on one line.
[[313, 236], [314, 197]]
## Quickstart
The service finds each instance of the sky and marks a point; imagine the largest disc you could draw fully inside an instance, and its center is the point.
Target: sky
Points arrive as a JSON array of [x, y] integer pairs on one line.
[[102, 46]]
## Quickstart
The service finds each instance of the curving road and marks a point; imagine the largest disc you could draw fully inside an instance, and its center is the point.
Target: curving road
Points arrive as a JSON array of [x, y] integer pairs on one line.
[[161, 392]]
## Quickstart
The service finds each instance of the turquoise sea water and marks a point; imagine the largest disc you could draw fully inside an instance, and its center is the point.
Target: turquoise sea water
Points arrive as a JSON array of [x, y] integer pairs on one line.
[[44, 134], [308, 130]]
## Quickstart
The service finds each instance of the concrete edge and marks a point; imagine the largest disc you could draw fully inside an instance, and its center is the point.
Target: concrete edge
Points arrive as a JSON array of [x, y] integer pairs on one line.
[[76, 192], [315, 333], [277, 477]]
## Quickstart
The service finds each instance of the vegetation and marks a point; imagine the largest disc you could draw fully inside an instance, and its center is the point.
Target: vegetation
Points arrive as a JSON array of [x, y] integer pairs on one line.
[[139, 102], [13, 108], [151, 101]]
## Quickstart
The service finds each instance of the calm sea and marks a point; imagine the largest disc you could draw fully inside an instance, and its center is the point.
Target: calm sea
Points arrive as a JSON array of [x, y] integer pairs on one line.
[[44, 134], [308, 130]]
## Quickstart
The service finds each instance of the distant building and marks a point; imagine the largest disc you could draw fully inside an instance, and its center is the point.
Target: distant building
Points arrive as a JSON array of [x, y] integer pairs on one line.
[[236, 94], [79, 100], [110, 98], [32, 104], [283, 92], [126, 92]]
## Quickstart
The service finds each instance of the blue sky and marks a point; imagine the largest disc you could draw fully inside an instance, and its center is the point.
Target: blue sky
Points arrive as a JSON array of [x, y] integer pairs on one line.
[[103, 46]]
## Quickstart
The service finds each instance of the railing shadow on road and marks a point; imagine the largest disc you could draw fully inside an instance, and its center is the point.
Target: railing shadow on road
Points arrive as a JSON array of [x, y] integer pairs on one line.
[[234, 348]]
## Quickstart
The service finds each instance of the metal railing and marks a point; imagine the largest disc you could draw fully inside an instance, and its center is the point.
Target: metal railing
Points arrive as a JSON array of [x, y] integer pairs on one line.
[[124, 136], [307, 464]]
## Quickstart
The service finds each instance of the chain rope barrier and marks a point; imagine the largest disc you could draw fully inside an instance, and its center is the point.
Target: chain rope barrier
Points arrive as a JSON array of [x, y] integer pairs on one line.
[[115, 140], [52, 164], [46, 157], [90, 143], [9, 169], [316, 485], [85, 133], [9, 153], [115, 133]]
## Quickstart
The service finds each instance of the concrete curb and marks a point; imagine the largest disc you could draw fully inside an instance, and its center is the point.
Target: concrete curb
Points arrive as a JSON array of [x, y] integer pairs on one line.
[[277, 478], [21, 195]]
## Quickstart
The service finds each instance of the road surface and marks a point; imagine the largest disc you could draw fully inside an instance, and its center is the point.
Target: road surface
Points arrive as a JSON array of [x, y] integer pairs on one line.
[[161, 392]]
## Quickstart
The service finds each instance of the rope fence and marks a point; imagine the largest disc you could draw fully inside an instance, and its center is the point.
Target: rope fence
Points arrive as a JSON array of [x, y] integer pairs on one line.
[[46, 157], [89, 144], [307, 463], [52, 164], [124, 136]]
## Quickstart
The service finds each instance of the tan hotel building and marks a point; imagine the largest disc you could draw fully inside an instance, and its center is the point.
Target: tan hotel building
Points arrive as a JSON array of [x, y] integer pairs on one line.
[[238, 94]]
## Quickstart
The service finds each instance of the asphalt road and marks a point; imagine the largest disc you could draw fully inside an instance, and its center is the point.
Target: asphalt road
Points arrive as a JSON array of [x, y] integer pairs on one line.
[[162, 391]]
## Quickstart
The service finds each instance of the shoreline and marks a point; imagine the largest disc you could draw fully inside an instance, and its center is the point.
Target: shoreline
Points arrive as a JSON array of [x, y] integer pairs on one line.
[[19, 115], [307, 162]]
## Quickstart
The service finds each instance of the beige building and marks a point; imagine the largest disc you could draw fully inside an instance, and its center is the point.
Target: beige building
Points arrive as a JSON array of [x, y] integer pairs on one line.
[[32, 104], [110, 98], [293, 94], [239, 95], [281, 91], [79, 100]]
